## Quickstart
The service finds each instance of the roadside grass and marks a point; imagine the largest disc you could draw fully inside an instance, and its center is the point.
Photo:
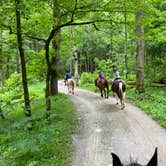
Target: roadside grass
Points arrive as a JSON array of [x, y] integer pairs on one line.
[[38, 141], [153, 101]]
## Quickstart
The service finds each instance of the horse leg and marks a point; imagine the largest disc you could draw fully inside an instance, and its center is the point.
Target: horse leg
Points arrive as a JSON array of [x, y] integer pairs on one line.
[[105, 93], [116, 96], [73, 90], [101, 93], [122, 101], [122, 104]]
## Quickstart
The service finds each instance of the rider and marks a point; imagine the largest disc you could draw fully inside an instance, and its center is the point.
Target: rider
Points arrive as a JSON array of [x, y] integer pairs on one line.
[[117, 76], [68, 75], [100, 76], [115, 70]]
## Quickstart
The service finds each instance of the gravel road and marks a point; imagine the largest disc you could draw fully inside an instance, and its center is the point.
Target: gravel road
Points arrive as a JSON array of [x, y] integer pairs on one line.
[[105, 128]]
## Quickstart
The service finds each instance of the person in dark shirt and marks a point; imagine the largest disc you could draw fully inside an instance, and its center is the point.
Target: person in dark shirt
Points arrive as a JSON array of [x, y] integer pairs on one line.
[[68, 75]]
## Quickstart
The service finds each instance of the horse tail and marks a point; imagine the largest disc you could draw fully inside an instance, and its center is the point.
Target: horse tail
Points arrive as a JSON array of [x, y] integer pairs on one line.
[[73, 85], [121, 90]]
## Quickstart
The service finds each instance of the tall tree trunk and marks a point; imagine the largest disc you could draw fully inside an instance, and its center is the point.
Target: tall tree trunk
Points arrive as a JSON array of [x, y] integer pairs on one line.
[[47, 91], [75, 55], [17, 65], [55, 63], [139, 54], [55, 58], [23, 65], [1, 60], [126, 45]]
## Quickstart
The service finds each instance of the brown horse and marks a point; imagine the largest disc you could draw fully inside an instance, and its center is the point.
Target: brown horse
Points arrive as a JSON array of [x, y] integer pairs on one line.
[[153, 161], [119, 87], [70, 85], [103, 86]]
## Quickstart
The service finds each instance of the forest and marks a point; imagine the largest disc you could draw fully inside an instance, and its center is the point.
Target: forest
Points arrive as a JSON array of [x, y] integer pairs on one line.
[[41, 39]]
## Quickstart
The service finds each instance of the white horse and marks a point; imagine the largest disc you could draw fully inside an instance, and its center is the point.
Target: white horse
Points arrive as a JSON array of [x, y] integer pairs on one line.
[[70, 85]]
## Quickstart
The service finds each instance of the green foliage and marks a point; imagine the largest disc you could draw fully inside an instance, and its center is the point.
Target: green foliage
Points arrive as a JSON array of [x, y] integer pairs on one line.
[[11, 95], [36, 68], [39, 141], [152, 102], [87, 80]]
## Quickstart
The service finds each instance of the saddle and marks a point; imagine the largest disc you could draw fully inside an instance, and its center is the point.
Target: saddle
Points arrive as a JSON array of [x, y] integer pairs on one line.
[[101, 80]]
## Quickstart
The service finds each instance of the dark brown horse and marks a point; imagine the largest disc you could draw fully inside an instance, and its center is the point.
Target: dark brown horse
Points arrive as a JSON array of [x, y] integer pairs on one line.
[[103, 86], [119, 87], [152, 162]]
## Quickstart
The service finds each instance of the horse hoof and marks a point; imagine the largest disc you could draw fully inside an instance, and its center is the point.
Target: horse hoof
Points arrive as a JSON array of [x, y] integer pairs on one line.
[[122, 107]]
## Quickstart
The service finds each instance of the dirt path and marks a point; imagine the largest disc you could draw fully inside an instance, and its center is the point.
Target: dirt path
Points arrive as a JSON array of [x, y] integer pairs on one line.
[[104, 128]]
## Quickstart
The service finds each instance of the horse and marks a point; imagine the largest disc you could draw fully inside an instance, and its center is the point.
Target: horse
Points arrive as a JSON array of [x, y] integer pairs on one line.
[[119, 87], [70, 85], [103, 86], [152, 161]]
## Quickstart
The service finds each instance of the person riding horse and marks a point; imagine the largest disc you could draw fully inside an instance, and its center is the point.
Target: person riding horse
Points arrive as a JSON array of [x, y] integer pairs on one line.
[[100, 76], [117, 76], [119, 87], [103, 85], [68, 75]]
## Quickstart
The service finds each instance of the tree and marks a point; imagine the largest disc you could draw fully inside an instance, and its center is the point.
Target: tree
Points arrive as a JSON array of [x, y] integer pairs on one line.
[[139, 54], [1, 60], [23, 65]]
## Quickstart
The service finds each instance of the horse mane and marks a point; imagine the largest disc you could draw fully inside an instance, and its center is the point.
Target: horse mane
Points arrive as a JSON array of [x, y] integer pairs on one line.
[[153, 161]]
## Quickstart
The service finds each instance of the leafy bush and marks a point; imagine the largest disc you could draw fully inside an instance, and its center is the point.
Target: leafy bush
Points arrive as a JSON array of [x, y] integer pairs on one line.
[[87, 78], [152, 102], [11, 94], [48, 142]]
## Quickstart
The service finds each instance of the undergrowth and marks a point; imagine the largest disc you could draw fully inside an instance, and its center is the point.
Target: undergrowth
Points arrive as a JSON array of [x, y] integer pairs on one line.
[[37, 140], [152, 102]]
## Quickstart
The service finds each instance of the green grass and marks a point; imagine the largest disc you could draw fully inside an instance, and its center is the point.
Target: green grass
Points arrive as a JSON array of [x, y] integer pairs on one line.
[[38, 141], [152, 102]]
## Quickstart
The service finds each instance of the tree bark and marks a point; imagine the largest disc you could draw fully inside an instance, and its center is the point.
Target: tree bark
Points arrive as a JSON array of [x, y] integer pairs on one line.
[[75, 55], [139, 54], [47, 90], [55, 58], [23, 65], [55, 63], [126, 45], [1, 61]]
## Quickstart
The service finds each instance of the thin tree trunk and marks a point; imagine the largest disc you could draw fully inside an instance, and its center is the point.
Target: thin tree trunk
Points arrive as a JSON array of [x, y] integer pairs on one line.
[[1, 61], [17, 65], [75, 64], [55, 63], [75, 55], [139, 54], [47, 91], [55, 58], [23, 65], [126, 45]]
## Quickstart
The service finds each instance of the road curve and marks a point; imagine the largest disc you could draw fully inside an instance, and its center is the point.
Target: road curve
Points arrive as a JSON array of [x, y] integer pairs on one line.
[[105, 128]]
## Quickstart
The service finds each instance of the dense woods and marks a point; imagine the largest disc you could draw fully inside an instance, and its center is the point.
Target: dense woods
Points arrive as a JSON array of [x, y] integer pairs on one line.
[[41, 39], [126, 33]]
